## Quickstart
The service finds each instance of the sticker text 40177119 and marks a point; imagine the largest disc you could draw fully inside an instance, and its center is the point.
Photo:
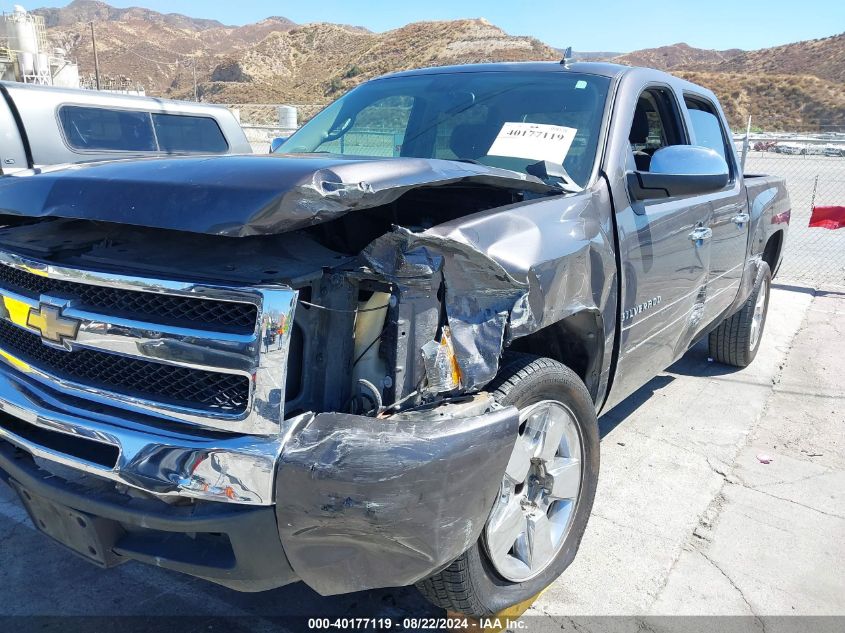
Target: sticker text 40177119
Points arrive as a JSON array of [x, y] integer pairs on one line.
[[534, 141]]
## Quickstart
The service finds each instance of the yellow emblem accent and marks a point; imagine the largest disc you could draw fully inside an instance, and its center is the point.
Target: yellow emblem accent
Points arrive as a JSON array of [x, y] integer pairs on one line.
[[17, 311], [53, 326], [15, 362], [34, 271]]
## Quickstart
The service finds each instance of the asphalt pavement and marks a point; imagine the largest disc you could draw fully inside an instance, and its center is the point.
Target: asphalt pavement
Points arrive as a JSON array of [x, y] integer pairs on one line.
[[689, 518]]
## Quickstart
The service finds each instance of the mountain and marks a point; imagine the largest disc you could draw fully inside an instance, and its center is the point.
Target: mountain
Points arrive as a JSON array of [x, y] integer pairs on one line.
[[590, 56], [789, 87], [278, 61], [823, 58], [95, 11], [271, 60], [675, 56], [274, 59], [156, 50], [315, 62], [781, 102]]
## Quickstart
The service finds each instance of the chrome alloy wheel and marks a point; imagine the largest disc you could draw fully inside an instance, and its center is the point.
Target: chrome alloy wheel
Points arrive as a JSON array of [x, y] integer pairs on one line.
[[759, 315], [536, 503]]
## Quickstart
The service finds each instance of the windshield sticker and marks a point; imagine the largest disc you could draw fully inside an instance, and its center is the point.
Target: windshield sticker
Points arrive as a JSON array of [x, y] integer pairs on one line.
[[535, 141]]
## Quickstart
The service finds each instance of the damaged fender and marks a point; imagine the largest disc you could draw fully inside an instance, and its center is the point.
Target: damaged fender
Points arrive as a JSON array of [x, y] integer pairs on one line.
[[480, 295], [511, 271], [367, 502]]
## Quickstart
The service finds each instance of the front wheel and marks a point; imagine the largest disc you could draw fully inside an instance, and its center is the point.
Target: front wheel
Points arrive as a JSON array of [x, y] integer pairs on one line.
[[545, 498]]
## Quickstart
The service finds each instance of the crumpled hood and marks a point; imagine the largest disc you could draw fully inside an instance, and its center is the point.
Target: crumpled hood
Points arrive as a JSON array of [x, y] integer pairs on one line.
[[236, 195]]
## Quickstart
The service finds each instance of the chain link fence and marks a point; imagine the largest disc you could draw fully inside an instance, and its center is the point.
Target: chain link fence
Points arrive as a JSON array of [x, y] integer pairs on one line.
[[261, 121], [813, 165]]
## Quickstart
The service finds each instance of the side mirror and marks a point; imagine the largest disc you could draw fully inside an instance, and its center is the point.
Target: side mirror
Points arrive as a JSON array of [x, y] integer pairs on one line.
[[679, 170], [277, 142]]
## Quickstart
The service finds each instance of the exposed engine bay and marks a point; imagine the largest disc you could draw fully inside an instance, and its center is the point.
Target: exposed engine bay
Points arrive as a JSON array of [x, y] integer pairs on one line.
[[381, 320]]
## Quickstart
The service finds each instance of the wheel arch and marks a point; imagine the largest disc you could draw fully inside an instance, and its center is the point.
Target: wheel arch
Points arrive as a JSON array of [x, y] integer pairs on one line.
[[576, 341], [772, 251]]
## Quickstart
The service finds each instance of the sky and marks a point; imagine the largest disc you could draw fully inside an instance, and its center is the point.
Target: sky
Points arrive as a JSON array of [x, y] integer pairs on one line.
[[594, 25]]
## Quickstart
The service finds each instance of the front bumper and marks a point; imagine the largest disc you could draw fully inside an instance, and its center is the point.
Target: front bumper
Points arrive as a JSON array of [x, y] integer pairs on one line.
[[368, 502], [167, 460], [231, 545], [360, 502]]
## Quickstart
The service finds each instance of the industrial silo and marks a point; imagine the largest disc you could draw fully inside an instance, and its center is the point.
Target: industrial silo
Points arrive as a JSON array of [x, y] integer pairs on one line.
[[25, 36]]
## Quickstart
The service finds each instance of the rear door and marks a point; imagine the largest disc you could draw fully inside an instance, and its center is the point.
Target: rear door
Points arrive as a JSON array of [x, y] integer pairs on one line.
[[664, 266], [729, 206]]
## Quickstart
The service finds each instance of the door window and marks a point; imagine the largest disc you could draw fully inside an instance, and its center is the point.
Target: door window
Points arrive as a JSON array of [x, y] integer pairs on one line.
[[707, 127], [655, 125]]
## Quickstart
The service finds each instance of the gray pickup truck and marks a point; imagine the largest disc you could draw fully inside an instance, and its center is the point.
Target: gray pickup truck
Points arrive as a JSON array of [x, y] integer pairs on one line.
[[376, 357], [43, 126]]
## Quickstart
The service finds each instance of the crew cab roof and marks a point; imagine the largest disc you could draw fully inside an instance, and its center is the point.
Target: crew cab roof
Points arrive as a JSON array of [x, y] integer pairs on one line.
[[603, 69]]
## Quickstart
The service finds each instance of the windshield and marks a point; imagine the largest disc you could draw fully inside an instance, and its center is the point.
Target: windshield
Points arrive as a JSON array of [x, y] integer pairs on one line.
[[502, 119]]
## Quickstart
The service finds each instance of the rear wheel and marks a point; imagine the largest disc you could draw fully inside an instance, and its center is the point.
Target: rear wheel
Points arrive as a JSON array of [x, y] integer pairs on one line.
[[737, 339], [547, 491]]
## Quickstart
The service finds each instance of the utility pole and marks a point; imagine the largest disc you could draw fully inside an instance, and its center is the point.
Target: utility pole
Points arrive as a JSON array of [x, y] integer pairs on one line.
[[196, 97], [745, 144], [96, 61]]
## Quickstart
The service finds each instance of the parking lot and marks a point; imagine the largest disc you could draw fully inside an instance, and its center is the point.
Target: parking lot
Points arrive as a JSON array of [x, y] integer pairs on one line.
[[688, 519]]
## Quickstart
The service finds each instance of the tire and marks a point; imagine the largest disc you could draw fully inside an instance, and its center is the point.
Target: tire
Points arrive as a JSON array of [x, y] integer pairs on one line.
[[737, 339], [472, 584]]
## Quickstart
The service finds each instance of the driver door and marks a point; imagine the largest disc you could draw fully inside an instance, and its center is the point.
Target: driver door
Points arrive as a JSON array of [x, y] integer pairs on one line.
[[665, 253]]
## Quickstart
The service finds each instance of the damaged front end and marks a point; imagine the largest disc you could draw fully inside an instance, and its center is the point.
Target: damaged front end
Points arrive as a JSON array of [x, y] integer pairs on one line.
[[370, 502], [370, 341]]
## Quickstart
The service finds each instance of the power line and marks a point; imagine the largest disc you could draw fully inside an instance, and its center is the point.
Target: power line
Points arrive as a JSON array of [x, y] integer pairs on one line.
[[126, 49]]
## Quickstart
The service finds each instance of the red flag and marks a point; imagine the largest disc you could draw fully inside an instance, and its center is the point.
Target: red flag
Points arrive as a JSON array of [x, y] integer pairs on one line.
[[828, 217]]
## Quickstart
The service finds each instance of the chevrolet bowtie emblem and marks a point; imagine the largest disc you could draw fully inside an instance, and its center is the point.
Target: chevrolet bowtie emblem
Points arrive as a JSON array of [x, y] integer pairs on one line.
[[54, 327]]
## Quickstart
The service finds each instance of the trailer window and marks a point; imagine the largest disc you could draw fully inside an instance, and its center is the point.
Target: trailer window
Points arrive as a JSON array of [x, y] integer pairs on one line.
[[180, 133], [111, 130], [103, 129]]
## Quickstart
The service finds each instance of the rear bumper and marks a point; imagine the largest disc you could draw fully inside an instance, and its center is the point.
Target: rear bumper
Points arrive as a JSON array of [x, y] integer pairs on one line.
[[360, 502]]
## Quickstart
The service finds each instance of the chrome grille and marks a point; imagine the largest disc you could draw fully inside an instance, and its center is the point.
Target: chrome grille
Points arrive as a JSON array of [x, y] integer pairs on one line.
[[183, 386], [199, 313], [211, 355]]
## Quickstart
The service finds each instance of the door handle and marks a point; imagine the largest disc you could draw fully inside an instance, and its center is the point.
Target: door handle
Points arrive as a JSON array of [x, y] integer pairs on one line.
[[701, 233], [741, 218]]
